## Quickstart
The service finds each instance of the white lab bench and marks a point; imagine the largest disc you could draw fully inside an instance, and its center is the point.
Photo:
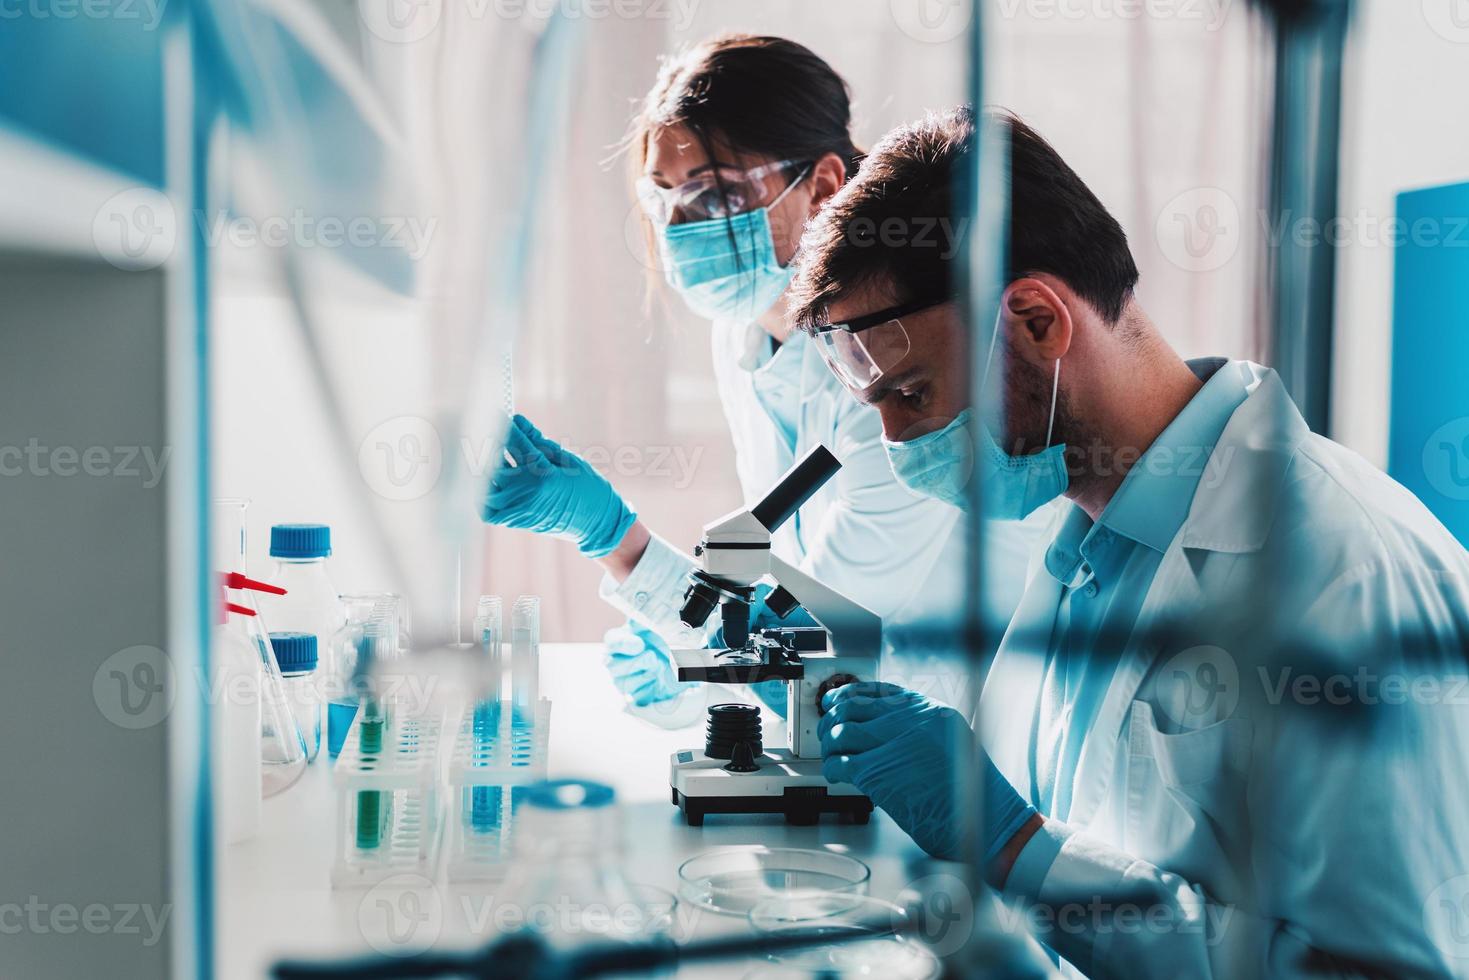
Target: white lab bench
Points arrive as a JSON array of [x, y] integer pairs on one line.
[[275, 899]]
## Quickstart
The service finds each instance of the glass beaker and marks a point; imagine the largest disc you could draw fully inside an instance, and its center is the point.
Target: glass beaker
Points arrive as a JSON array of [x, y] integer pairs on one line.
[[369, 639]]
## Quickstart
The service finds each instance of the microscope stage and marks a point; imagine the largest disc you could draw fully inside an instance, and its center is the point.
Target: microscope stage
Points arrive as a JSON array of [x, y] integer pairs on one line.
[[783, 784]]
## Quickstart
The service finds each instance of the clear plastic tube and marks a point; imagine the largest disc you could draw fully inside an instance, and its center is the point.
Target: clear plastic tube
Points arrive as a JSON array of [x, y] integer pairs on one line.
[[488, 626], [525, 658], [489, 636]]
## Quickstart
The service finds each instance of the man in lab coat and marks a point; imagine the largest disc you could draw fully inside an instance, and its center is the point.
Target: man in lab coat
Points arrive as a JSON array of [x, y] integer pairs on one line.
[[1226, 729]]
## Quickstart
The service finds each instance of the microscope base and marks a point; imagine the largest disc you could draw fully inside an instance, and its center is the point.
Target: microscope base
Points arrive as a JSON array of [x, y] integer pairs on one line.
[[784, 784]]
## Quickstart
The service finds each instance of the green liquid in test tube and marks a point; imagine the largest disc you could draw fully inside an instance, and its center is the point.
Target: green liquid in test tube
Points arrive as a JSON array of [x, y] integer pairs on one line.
[[374, 807]]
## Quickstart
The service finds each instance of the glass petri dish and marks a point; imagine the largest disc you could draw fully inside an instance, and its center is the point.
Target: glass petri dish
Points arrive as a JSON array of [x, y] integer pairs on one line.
[[734, 880], [875, 938], [654, 912]]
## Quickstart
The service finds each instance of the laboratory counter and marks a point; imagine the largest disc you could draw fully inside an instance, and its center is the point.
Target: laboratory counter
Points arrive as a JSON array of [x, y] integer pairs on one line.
[[276, 897]]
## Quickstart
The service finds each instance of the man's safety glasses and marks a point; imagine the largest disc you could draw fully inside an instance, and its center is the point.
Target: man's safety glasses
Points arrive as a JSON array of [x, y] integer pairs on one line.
[[862, 350], [708, 196]]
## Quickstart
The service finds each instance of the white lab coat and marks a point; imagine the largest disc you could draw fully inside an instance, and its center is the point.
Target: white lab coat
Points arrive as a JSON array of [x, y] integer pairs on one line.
[[1267, 834]]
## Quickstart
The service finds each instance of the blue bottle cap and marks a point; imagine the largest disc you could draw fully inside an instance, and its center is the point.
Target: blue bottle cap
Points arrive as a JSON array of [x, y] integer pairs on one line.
[[569, 794], [295, 652], [300, 541]]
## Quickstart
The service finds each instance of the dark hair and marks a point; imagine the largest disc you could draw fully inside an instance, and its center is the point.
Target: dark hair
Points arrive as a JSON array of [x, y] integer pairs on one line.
[[763, 95], [1057, 225]]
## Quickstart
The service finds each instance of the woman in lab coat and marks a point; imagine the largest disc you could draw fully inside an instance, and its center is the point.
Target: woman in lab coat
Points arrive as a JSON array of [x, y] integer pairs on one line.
[[736, 147]]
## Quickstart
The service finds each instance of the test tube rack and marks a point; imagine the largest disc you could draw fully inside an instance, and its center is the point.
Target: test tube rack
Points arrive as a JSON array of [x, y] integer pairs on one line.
[[493, 758], [389, 798]]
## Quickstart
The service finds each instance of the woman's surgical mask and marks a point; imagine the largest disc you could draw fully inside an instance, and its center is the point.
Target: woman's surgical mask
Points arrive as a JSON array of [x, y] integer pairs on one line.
[[939, 464], [726, 268]]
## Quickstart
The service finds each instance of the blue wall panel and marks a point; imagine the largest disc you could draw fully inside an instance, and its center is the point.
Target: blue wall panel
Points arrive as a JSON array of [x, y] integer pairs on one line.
[[1428, 449]]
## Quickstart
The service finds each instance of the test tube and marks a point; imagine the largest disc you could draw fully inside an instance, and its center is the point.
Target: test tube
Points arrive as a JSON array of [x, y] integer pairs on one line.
[[488, 625], [374, 807], [525, 658], [488, 634]]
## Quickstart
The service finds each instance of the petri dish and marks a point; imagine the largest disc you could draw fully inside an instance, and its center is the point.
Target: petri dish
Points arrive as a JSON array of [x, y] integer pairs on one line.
[[734, 880], [871, 938], [654, 912]]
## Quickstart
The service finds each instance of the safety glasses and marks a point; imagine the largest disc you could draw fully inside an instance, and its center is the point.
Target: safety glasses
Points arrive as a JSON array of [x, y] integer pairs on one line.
[[709, 196], [862, 350]]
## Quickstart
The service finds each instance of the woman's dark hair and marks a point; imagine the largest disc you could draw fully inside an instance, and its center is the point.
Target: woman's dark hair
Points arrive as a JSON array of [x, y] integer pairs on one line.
[[752, 95], [764, 95]]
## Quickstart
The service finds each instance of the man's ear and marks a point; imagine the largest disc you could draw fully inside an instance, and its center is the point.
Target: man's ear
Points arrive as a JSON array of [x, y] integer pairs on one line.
[[1037, 319], [827, 176]]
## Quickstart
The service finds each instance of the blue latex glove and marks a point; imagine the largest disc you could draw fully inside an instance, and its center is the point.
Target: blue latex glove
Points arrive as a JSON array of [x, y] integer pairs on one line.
[[903, 750], [553, 491], [641, 665]]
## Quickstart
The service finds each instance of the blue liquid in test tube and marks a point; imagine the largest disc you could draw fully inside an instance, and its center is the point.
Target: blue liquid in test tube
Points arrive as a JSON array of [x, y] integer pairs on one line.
[[485, 800]]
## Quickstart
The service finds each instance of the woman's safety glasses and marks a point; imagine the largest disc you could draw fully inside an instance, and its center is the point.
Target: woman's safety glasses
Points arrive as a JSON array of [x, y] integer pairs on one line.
[[707, 196], [862, 350]]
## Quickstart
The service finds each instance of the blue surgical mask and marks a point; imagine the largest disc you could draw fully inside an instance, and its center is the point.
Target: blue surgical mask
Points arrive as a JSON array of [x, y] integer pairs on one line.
[[725, 268], [939, 464], [1016, 486]]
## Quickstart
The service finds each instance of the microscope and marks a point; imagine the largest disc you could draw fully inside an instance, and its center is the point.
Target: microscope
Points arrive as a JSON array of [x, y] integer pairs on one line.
[[735, 772]]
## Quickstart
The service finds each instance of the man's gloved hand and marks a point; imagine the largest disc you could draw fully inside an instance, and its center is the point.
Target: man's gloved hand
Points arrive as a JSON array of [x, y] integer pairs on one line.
[[641, 664], [905, 750], [552, 491]]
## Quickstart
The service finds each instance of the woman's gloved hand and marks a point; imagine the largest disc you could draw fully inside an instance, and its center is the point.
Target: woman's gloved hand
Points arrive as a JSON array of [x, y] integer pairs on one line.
[[904, 751], [641, 665], [552, 491]]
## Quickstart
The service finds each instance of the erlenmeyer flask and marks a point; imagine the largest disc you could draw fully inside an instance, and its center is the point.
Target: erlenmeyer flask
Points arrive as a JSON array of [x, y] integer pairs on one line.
[[235, 672], [282, 746]]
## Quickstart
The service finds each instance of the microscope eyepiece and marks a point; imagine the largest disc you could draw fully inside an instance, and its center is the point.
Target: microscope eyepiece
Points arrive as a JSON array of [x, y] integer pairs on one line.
[[796, 486]]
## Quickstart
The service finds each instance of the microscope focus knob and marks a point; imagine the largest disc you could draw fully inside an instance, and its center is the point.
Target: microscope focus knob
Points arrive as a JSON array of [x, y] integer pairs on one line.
[[831, 684]]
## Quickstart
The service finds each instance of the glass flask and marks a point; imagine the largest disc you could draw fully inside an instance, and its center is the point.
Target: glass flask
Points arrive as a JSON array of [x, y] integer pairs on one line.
[[282, 746], [566, 882], [369, 639]]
